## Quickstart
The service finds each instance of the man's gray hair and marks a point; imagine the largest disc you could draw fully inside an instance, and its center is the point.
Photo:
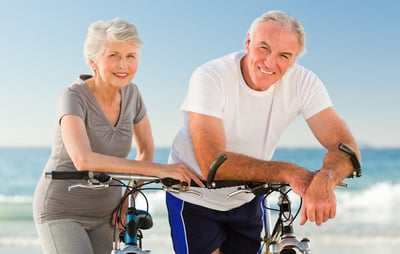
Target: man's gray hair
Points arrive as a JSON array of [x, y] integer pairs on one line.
[[285, 21]]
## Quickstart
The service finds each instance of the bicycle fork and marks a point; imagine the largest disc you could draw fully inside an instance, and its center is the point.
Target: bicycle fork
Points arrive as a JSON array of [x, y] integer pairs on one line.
[[130, 237], [281, 240]]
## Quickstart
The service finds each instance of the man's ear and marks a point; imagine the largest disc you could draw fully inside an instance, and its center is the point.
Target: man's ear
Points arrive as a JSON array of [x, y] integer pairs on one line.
[[247, 42]]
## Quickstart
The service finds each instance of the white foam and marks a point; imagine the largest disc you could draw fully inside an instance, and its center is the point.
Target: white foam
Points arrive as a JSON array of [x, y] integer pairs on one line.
[[15, 199], [19, 241]]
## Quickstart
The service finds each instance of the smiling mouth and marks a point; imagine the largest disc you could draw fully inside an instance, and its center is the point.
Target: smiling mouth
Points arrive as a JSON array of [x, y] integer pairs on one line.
[[121, 75], [266, 72]]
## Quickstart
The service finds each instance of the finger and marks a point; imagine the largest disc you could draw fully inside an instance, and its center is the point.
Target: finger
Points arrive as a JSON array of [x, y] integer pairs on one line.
[[326, 216], [319, 216], [332, 213], [196, 179], [199, 183], [311, 214], [303, 218]]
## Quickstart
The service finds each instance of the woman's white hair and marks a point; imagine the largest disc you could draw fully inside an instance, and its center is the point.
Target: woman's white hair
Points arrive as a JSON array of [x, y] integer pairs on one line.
[[101, 32]]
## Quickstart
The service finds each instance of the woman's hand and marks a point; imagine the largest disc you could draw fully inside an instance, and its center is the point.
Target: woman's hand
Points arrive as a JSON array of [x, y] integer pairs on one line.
[[180, 172]]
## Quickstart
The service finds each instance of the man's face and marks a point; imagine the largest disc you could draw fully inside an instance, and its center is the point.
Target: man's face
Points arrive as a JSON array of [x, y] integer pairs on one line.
[[271, 51]]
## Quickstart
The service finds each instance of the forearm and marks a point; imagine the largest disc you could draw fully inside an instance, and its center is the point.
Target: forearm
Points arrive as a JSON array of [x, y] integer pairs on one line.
[[242, 167], [105, 163], [331, 130]]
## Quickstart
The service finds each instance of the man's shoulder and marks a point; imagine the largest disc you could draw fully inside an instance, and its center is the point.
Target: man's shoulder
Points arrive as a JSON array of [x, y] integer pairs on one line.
[[231, 57], [223, 64], [297, 71]]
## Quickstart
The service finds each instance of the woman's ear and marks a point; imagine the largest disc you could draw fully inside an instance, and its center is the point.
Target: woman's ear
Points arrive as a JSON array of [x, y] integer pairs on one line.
[[93, 65]]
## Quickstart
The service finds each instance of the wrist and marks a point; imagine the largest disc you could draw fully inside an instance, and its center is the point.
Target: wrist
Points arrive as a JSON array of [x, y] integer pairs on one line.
[[329, 177]]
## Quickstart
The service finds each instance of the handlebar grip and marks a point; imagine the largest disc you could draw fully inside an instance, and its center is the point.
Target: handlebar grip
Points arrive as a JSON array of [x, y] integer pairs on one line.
[[213, 169], [353, 158], [67, 175], [169, 182]]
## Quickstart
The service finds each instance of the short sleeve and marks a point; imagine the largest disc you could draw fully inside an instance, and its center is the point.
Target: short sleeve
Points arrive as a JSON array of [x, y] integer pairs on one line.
[[139, 105], [205, 94], [70, 103], [313, 95]]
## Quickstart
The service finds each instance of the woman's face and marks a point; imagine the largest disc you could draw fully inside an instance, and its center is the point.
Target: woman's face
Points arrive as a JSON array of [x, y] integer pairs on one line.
[[118, 64]]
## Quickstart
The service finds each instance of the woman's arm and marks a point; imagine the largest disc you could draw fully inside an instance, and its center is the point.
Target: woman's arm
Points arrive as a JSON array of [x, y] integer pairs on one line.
[[78, 146], [144, 140]]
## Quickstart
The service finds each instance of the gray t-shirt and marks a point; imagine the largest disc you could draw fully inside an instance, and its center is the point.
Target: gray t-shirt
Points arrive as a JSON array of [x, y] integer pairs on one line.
[[52, 199]]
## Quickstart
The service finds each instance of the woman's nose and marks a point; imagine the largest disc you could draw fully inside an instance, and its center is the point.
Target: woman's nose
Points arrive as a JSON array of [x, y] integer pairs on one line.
[[122, 63]]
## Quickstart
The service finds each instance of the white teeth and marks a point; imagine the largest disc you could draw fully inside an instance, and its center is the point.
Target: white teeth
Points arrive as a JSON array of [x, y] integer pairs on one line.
[[120, 74], [266, 72]]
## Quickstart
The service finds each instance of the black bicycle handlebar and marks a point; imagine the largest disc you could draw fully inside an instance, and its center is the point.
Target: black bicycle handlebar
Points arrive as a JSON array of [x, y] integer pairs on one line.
[[106, 177], [213, 170], [67, 175]]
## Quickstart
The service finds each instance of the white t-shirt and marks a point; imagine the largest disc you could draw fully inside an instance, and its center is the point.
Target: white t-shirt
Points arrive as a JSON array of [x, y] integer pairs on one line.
[[253, 120]]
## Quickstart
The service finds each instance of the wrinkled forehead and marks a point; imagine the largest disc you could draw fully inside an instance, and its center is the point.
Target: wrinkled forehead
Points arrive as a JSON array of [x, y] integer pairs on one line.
[[276, 37]]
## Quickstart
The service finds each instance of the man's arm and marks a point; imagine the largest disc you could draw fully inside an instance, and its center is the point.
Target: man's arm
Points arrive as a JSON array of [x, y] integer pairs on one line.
[[209, 141], [319, 202]]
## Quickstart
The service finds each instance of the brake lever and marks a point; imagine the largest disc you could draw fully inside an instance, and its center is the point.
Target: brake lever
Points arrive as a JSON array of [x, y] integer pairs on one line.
[[177, 188], [239, 191]]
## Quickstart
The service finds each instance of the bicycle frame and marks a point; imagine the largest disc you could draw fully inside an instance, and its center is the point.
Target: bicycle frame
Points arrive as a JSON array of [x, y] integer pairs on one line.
[[132, 237], [280, 239]]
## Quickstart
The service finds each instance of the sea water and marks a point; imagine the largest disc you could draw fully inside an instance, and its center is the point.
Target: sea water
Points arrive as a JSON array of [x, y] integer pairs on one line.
[[366, 219]]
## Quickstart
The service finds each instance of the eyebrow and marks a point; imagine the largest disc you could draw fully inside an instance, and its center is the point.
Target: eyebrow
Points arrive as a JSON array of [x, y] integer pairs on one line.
[[118, 52], [289, 54]]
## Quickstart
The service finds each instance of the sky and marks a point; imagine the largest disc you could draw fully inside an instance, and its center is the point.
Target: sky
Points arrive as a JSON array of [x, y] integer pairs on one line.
[[353, 46]]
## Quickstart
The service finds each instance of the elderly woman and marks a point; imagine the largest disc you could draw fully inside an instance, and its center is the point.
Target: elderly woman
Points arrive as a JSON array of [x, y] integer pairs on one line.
[[97, 118]]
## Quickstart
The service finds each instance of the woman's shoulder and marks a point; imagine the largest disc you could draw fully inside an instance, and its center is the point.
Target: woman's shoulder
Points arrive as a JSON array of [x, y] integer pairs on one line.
[[78, 88], [130, 89]]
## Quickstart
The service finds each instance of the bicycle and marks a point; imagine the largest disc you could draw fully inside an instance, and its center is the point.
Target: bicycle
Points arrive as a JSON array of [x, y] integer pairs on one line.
[[129, 239], [279, 239]]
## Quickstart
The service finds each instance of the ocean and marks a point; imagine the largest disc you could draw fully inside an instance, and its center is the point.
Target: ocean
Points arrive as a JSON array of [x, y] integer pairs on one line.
[[366, 220]]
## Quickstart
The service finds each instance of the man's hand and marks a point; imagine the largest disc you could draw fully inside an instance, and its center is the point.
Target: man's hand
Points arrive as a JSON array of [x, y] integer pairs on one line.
[[319, 200]]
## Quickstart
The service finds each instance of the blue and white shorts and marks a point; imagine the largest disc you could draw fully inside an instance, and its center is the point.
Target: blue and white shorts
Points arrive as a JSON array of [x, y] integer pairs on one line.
[[199, 230]]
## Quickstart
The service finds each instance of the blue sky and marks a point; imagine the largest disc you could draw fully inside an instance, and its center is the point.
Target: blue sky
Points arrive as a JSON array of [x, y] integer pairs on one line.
[[354, 47]]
